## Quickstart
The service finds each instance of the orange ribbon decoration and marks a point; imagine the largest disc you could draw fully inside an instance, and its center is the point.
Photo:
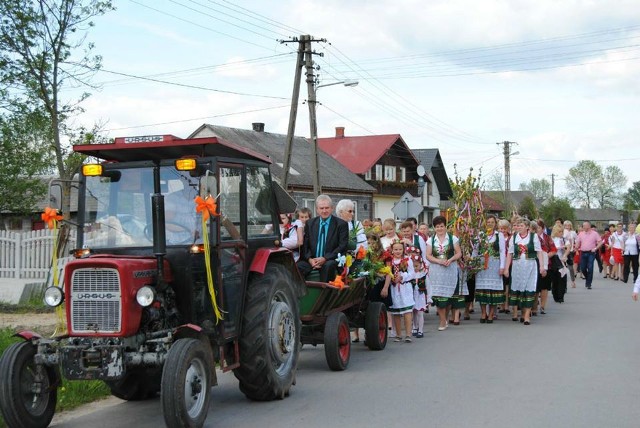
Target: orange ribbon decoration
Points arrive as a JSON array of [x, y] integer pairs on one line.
[[337, 282], [206, 206], [50, 216]]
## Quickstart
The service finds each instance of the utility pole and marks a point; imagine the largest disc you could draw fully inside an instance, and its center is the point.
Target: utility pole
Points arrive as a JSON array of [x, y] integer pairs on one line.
[[506, 150], [293, 114], [553, 184], [304, 51]]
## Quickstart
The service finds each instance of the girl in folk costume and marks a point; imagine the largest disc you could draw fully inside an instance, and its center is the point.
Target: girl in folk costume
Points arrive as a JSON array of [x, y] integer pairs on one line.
[[419, 294], [401, 290], [443, 250], [524, 248], [489, 287], [505, 230], [606, 251]]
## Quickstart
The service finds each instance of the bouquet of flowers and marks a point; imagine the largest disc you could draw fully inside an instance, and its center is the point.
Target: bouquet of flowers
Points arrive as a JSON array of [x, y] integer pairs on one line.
[[468, 221]]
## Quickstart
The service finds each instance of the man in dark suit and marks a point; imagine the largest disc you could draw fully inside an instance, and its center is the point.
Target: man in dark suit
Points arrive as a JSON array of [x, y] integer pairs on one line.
[[325, 236]]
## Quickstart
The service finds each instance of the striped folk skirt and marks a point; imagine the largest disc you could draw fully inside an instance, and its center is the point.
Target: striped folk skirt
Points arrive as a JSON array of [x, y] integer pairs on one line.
[[489, 287], [524, 278]]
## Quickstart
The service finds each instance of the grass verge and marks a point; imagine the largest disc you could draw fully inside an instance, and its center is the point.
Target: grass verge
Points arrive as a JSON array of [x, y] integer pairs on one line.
[[73, 393]]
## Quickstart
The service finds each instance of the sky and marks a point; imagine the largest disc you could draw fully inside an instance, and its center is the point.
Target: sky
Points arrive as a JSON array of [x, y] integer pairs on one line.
[[560, 79]]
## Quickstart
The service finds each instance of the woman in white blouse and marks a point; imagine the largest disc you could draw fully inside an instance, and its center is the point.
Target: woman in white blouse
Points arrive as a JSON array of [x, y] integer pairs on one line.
[[616, 241], [630, 253]]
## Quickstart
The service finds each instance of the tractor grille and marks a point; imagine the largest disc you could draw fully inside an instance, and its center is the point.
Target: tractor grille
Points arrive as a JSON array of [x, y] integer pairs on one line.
[[95, 301]]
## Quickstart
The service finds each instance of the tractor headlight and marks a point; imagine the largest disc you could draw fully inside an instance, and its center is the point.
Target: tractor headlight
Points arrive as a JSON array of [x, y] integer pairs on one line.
[[145, 296], [53, 296]]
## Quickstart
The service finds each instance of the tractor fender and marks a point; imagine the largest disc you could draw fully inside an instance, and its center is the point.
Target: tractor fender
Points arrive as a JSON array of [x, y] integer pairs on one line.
[[27, 335], [190, 330], [281, 256]]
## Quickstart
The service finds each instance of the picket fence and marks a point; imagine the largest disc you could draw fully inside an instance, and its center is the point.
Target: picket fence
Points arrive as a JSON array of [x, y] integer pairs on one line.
[[25, 255]]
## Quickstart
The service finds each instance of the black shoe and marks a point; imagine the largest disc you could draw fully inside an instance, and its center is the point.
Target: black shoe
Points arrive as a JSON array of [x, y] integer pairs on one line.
[[534, 314], [515, 319], [483, 320], [589, 288], [527, 323], [542, 311], [489, 321], [521, 319]]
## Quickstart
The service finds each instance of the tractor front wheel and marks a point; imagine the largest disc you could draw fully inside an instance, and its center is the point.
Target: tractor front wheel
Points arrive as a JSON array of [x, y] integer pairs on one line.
[[28, 391], [186, 384]]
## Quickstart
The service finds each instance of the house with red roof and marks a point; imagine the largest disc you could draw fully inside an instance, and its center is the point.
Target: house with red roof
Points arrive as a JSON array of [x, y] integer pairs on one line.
[[383, 161]]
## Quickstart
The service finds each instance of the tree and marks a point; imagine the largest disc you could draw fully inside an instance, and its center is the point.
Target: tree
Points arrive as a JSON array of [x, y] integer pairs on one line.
[[25, 155], [632, 197], [541, 189], [607, 191], [495, 181], [43, 49], [528, 208], [582, 182], [557, 207]]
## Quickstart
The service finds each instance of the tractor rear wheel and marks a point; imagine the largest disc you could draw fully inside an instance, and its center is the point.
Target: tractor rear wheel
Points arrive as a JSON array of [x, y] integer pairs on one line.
[[337, 341], [375, 326], [28, 391], [270, 336]]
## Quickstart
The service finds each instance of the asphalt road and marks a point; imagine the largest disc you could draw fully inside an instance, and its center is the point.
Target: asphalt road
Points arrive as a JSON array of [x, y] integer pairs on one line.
[[576, 366]]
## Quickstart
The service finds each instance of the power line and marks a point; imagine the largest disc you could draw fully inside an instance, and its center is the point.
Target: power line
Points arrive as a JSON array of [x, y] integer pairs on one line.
[[183, 85], [261, 18], [347, 119], [197, 118], [204, 69], [199, 25], [518, 45], [208, 15], [402, 113]]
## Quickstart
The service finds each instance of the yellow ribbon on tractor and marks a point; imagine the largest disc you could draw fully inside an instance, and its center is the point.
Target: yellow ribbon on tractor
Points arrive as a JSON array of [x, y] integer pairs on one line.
[[207, 207]]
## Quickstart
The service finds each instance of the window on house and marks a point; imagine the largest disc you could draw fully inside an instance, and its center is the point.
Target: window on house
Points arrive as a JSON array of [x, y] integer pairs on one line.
[[367, 175], [403, 174], [378, 172], [390, 173], [311, 204]]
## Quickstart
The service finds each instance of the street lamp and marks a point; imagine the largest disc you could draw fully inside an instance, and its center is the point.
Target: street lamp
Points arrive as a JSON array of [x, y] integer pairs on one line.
[[347, 83]]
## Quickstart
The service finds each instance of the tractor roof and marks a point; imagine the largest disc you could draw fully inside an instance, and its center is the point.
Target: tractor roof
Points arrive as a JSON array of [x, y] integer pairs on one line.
[[159, 147]]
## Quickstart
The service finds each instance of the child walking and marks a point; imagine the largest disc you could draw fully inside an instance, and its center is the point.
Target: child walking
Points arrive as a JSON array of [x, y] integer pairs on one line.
[[419, 295], [401, 291]]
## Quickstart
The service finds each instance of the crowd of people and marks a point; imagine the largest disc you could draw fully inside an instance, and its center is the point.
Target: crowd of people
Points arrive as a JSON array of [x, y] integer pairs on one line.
[[417, 266]]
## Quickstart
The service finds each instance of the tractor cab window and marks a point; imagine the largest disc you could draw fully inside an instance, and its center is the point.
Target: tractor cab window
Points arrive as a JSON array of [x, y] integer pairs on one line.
[[259, 202], [229, 203], [118, 208]]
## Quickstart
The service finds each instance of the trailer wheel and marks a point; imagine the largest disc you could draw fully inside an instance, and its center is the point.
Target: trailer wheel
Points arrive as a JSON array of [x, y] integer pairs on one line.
[[28, 391], [186, 384], [135, 386], [375, 326], [270, 337], [337, 341]]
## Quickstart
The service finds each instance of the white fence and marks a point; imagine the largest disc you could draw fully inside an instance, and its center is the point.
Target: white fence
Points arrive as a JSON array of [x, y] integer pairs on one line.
[[25, 255]]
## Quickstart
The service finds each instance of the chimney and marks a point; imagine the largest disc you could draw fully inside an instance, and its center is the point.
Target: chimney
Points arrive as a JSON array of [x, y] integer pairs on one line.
[[258, 126], [339, 131]]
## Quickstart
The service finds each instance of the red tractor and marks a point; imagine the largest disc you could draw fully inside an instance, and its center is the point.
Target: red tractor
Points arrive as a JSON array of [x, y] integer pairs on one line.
[[156, 297]]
